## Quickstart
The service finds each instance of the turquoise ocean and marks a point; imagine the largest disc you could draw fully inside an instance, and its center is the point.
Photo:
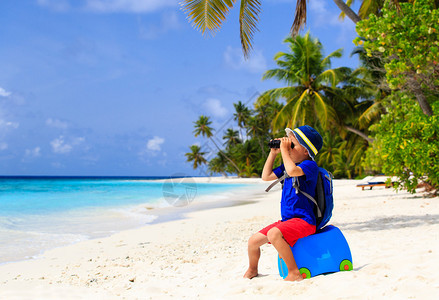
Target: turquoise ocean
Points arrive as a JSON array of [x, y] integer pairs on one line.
[[41, 213]]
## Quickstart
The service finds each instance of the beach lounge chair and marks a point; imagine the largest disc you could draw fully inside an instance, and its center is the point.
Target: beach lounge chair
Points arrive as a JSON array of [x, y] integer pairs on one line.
[[370, 182]]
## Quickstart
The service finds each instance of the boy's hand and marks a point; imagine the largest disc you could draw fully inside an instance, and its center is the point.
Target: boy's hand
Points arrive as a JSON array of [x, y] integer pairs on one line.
[[285, 144], [275, 151]]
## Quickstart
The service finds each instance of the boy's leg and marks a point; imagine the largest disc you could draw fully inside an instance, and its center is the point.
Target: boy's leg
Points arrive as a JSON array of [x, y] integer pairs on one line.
[[254, 252], [283, 248]]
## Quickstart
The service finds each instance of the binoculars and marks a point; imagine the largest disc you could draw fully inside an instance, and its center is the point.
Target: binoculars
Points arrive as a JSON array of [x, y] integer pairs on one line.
[[276, 144]]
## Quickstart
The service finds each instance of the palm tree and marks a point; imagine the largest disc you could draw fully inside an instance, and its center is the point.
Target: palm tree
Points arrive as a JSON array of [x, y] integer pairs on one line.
[[368, 83], [196, 156], [350, 102], [241, 116], [247, 154], [366, 8], [231, 137], [308, 77], [374, 7], [218, 164], [202, 126], [347, 160], [208, 16], [256, 130], [300, 15], [331, 144]]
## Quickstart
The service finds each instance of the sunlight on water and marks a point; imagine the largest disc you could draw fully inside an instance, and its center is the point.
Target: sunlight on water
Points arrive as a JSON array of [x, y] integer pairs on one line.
[[39, 214]]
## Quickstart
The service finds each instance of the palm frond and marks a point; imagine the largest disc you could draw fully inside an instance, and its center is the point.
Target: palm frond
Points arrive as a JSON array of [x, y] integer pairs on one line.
[[279, 74], [300, 17], [297, 109], [327, 60], [278, 55], [328, 75], [322, 110], [248, 19], [369, 114], [207, 15], [366, 8], [290, 113], [282, 117], [286, 93]]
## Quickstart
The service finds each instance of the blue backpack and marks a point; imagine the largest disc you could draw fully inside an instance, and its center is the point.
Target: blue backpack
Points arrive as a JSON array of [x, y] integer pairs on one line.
[[324, 200]]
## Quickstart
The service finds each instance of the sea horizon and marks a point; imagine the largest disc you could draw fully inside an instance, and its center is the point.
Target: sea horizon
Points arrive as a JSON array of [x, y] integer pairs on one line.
[[38, 213], [148, 177]]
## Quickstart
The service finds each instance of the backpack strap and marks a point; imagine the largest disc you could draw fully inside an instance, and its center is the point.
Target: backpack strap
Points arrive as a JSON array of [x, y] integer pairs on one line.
[[277, 181], [296, 186]]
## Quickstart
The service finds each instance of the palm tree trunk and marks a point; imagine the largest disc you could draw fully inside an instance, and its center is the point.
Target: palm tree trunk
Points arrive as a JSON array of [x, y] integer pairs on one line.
[[347, 10], [359, 133], [223, 154]]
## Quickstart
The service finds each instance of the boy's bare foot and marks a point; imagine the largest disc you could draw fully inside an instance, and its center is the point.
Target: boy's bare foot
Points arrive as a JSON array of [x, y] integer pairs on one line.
[[294, 277], [251, 273]]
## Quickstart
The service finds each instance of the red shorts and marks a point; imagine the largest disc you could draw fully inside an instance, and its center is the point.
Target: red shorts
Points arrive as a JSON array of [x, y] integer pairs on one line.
[[292, 229]]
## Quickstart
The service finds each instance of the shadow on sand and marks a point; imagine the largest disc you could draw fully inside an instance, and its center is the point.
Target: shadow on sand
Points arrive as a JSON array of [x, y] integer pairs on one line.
[[395, 222]]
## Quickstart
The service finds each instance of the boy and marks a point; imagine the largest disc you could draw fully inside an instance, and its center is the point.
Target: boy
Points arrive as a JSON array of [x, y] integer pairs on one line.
[[298, 219]]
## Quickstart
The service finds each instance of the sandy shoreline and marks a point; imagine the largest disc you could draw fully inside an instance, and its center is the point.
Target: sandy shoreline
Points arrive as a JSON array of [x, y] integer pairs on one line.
[[394, 239]]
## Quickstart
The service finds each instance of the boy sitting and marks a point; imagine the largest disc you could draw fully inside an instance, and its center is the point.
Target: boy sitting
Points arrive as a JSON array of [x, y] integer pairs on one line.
[[298, 152]]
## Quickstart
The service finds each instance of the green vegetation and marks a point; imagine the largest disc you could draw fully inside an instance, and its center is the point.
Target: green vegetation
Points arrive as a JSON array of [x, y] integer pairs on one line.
[[379, 118], [330, 100], [407, 137], [208, 15]]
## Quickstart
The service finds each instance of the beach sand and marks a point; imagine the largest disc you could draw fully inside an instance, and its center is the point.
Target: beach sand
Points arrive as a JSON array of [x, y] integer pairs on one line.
[[394, 239]]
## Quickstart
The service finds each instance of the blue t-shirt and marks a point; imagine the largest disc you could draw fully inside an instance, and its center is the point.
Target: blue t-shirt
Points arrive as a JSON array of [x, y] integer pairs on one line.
[[297, 205]]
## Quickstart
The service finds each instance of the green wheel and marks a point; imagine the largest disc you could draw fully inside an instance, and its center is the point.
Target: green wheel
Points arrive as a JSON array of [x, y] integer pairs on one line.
[[305, 273], [346, 265]]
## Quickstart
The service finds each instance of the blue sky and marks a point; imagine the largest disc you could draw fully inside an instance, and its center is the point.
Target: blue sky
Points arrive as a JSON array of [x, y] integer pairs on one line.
[[112, 87]]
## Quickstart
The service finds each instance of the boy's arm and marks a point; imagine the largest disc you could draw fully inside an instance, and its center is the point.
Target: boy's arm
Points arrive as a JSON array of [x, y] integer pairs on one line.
[[290, 167], [267, 172]]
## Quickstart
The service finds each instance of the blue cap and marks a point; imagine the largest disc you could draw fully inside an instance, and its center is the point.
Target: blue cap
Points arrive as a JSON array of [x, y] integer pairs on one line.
[[309, 138]]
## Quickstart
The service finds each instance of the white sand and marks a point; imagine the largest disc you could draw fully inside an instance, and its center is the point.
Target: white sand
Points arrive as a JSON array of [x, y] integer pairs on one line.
[[394, 239]]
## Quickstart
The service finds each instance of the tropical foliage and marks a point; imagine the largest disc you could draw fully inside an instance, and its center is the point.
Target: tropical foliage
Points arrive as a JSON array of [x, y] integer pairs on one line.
[[209, 15], [407, 144], [330, 100], [196, 156], [308, 77], [406, 139], [380, 118]]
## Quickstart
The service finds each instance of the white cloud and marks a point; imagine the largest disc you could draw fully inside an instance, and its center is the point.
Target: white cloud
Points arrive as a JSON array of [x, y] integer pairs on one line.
[[324, 16], [133, 6], [56, 123], [3, 146], [318, 6], [155, 143], [4, 93], [60, 146], [36, 152], [215, 108], [234, 58], [7, 124], [169, 22], [77, 140]]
